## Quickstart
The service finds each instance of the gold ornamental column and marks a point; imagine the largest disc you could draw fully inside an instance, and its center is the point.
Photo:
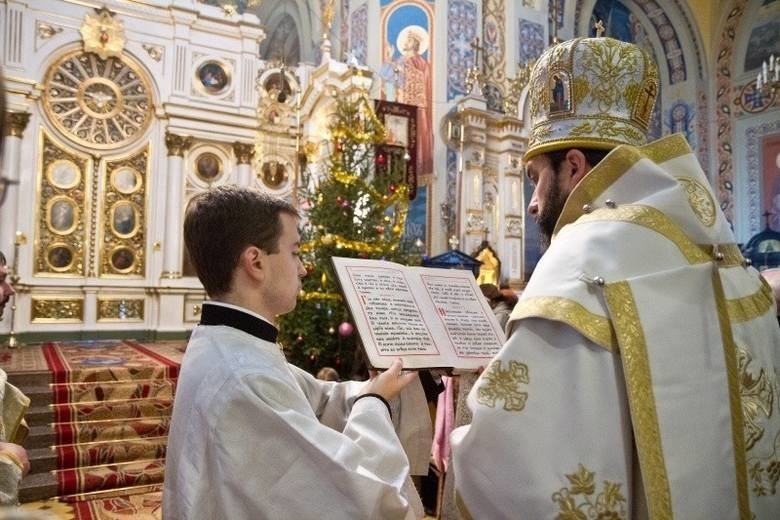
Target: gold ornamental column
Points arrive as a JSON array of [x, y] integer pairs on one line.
[[177, 145], [15, 123], [244, 154]]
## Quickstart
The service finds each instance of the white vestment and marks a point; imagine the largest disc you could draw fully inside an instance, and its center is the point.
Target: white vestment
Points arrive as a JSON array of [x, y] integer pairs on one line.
[[253, 437], [640, 376]]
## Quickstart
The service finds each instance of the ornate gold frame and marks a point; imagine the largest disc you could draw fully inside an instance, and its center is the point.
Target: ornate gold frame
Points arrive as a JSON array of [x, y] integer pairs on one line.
[[137, 218], [136, 185], [126, 270], [55, 268], [56, 163], [76, 215]]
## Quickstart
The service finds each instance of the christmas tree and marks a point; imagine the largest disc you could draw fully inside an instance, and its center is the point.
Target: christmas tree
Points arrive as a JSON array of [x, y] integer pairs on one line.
[[357, 208]]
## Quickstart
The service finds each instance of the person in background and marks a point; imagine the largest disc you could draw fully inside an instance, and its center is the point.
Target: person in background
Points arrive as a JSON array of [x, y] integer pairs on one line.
[[497, 302], [510, 296], [252, 436], [772, 276], [328, 374], [639, 375], [14, 463]]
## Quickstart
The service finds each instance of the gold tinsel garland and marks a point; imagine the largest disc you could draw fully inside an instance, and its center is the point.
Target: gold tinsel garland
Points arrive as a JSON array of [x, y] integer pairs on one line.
[[317, 295]]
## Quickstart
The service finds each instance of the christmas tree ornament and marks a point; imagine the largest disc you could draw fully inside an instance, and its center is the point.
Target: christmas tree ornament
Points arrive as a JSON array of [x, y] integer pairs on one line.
[[346, 329]]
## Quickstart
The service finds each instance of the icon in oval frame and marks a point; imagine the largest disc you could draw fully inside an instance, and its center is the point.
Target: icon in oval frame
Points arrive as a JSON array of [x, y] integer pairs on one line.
[[63, 174], [208, 167], [62, 215], [60, 257], [126, 180], [274, 174], [124, 218], [213, 77], [122, 259]]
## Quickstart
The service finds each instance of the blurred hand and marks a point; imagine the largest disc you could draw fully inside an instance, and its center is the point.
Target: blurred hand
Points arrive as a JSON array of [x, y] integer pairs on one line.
[[18, 453], [389, 383]]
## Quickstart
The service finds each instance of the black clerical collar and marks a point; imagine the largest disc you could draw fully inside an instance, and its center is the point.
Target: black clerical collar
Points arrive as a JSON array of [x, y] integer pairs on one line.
[[221, 315]]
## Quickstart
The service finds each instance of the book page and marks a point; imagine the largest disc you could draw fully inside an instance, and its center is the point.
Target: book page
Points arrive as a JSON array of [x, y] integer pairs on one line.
[[468, 321], [395, 324]]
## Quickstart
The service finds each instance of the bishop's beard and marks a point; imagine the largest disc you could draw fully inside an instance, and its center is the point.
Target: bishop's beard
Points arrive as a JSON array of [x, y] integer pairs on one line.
[[548, 217]]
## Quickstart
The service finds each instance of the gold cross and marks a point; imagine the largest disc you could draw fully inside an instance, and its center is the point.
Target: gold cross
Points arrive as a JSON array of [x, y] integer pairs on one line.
[[599, 26], [478, 49]]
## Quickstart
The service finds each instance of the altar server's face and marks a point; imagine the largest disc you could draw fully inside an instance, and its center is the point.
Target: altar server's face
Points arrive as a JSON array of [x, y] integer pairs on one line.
[[285, 269]]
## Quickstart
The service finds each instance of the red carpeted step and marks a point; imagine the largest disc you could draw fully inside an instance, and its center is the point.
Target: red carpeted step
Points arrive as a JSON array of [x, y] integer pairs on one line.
[[112, 390], [109, 476], [87, 362], [110, 452], [145, 506], [119, 409], [108, 430], [108, 494]]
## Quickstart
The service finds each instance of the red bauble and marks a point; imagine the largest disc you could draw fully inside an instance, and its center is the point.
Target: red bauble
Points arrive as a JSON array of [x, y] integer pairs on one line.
[[380, 159]]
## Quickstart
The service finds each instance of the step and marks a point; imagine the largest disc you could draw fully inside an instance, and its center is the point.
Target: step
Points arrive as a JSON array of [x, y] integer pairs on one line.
[[144, 489], [40, 437], [37, 486], [109, 452], [114, 409], [30, 379], [112, 390], [104, 476], [42, 459], [39, 415], [39, 395]]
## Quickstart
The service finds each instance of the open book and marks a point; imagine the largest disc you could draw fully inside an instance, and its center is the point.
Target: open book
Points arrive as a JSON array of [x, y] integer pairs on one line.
[[432, 318]]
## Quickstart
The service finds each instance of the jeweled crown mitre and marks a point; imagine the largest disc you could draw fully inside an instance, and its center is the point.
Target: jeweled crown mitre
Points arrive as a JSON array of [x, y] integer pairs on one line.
[[592, 93]]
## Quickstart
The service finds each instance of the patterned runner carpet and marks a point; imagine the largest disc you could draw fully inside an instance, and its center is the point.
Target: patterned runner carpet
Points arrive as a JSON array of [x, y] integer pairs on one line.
[[112, 403]]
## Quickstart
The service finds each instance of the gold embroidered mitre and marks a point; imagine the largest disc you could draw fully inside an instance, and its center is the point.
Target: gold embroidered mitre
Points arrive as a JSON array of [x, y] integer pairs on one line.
[[593, 93]]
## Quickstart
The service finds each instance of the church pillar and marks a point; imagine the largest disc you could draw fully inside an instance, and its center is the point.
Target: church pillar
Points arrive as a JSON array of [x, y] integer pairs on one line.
[[177, 145], [15, 123], [244, 154], [472, 214]]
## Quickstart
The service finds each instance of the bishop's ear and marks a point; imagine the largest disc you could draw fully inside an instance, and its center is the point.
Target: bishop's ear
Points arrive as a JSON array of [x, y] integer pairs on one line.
[[577, 164]]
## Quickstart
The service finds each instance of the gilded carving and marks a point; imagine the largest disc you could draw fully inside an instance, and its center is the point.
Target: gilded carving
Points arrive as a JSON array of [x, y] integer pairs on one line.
[[97, 102], [123, 217], [579, 500], [155, 51], [177, 144], [504, 384], [61, 211], [102, 34], [46, 31], [120, 309], [57, 310], [15, 123], [244, 152]]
